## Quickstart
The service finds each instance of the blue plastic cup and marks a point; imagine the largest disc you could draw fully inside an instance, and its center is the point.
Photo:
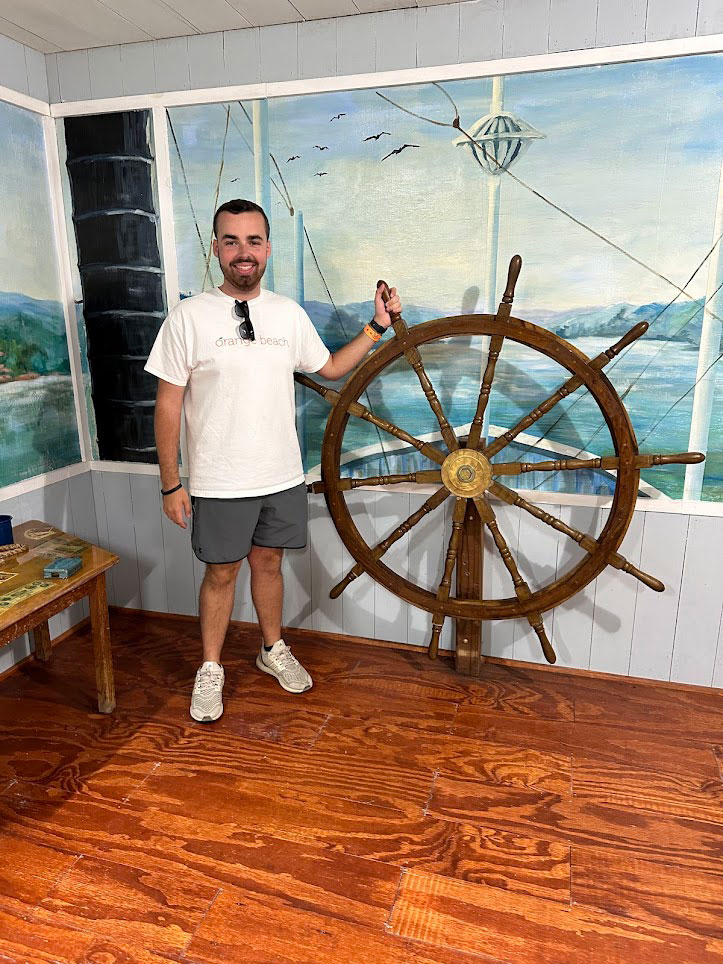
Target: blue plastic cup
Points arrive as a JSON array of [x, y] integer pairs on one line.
[[6, 530]]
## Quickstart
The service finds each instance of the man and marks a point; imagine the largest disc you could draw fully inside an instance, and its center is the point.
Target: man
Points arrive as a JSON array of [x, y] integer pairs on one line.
[[228, 357]]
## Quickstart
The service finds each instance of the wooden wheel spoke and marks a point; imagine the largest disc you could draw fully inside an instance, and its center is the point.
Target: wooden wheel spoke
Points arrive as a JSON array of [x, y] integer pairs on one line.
[[586, 542], [361, 411], [570, 386], [378, 551], [445, 585], [412, 355], [415, 360], [484, 393], [425, 477], [610, 463], [522, 589]]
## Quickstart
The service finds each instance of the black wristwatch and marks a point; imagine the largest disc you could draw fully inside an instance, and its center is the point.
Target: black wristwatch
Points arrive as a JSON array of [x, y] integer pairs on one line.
[[379, 329]]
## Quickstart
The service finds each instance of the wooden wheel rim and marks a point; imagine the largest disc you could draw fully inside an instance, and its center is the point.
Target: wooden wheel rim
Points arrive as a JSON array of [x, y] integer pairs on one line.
[[564, 354]]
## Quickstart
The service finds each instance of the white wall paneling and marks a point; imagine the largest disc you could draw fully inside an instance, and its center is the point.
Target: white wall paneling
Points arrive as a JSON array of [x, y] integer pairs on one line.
[[355, 45], [358, 598], [13, 69], [242, 56], [666, 19], [427, 548], [710, 17], [326, 562], [572, 24], [74, 75], [317, 48], [526, 27], [438, 35], [620, 22], [663, 555], [701, 604], [280, 53], [106, 71], [390, 612], [205, 55], [396, 40], [173, 70], [498, 636], [615, 600], [573, 620], [537, 558], [480, 30], [139, 68]]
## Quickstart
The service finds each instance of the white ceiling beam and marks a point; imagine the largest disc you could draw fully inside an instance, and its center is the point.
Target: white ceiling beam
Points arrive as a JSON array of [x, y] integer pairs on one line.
[[324, 9], [27, 37], [209, 16], [267, 12], [155, 17], [78, 24]]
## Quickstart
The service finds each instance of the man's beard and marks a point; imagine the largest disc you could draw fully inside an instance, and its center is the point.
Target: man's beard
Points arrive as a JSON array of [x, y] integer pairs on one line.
[[244, 282]]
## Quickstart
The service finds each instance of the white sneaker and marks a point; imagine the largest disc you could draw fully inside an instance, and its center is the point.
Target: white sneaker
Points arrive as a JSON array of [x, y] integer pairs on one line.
[[281, 663], [207, 698]]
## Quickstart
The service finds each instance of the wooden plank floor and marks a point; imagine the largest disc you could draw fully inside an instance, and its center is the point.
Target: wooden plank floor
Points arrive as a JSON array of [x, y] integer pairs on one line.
[[395, 813]]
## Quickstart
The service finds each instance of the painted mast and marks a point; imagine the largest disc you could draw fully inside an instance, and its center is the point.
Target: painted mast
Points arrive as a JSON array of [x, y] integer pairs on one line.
[[262, 172], [494, 184], [710, 347], [299, 240]]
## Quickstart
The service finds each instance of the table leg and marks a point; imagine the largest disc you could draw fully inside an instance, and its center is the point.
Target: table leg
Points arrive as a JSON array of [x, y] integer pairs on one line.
[[43, 647], [101, 644]]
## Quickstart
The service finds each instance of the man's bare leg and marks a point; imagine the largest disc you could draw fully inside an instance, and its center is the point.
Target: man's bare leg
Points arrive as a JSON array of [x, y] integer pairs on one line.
[[267, 590], [215, 604]]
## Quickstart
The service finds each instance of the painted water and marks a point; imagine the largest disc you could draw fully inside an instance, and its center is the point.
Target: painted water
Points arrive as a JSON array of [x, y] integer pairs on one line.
[[38, 431]]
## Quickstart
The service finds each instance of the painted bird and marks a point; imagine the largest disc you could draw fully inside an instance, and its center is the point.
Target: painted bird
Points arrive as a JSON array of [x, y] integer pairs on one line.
[[320, 148], [399, 150], [336, 117], [294, 158], [375, 137], [321, 174]]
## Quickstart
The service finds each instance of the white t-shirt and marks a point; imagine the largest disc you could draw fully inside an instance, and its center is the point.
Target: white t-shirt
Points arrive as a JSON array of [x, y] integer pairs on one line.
[[239, 404]]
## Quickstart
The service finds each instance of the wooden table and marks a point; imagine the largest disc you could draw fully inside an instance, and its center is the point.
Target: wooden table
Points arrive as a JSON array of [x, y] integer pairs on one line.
[[45, 542]]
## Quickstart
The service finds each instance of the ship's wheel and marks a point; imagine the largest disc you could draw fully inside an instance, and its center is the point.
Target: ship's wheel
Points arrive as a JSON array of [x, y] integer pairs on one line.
[[467, 474]]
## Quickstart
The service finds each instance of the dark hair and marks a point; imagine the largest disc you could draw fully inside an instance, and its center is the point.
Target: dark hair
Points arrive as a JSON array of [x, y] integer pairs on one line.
[[240, 206]]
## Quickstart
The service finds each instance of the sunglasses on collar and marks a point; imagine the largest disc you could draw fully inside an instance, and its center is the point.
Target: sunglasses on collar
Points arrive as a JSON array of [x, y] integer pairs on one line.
[[245, 329]]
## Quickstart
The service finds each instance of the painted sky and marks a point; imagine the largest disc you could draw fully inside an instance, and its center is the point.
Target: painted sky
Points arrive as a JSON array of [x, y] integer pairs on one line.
[[28, 261], [633, 150]]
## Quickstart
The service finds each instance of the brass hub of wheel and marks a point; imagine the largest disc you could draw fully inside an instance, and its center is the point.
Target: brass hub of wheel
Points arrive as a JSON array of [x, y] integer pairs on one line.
[[466, 473]]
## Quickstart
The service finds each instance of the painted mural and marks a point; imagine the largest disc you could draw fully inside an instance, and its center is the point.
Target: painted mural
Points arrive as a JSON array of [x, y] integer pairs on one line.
[[38, 430], [606, 180]]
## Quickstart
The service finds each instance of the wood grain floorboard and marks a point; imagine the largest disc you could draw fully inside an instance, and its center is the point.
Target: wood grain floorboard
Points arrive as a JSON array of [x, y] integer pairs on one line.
[[593, 742], [467, 758], [650, 790], [589, 821], [237, 928], [467, 917], [138, 907], [24, 941], [686, 900]]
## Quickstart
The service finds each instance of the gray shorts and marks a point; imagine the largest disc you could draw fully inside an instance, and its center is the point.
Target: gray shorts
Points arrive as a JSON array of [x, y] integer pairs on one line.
[[223, 530]]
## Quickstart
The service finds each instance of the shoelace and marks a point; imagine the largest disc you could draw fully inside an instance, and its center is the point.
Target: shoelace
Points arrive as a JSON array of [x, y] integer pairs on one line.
[[286, 658], [208, 679]]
